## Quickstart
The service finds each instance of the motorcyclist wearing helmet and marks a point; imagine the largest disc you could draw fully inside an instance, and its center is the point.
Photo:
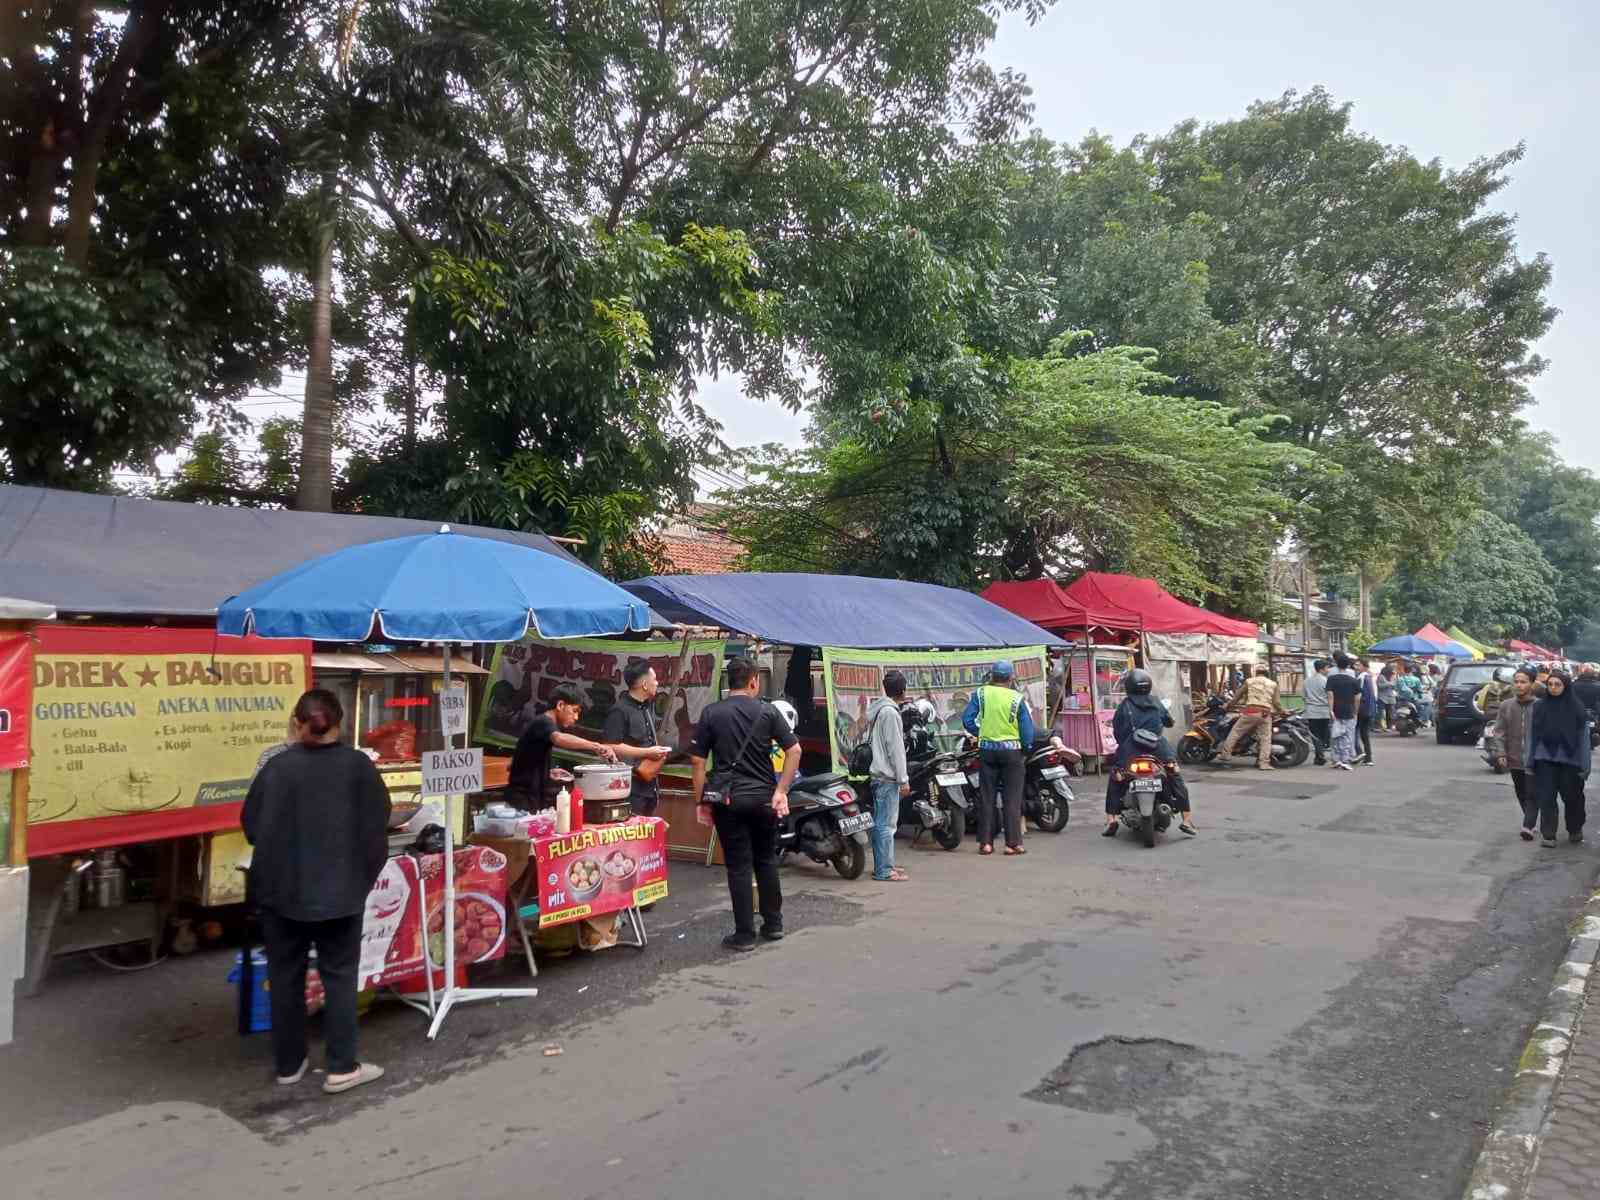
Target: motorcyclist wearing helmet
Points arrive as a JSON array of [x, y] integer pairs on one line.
[[1492, 694], [1139, 726]]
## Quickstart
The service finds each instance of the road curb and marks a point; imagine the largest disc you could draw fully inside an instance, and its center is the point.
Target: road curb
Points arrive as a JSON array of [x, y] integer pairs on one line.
[[1511, 1149]]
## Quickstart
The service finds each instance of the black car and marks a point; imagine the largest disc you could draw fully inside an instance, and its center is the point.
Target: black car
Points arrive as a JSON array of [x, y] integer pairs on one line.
[[1456, 716]]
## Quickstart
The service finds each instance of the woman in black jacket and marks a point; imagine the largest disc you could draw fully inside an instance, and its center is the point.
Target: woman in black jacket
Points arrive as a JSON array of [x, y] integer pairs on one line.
[[317, 815]]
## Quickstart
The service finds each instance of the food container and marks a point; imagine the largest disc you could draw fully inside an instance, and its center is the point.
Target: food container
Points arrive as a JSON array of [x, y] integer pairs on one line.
[[605, 781]]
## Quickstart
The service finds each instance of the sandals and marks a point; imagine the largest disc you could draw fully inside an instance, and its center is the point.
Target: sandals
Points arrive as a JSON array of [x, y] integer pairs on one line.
[[1109, 831], [895, 876], [986, 848], [1013, 850], [364, 1073]]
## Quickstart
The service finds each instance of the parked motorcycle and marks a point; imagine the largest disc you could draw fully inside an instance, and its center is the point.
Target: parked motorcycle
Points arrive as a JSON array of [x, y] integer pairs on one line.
[[1406, 720], [1145, 810], [1291, 745], [939, 802], [1046, 795], [825, 823]]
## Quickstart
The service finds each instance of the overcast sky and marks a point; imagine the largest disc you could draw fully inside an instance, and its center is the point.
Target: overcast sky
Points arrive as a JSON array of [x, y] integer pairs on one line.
[[1449, 79]]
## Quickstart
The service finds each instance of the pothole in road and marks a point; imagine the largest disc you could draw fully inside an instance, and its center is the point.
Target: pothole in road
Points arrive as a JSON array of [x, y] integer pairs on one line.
[[1123, 1074]]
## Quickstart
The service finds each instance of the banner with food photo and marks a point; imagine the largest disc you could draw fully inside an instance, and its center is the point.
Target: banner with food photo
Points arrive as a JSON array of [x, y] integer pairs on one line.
[[948, 678], [393, 944], [523, 675], [601, 869]]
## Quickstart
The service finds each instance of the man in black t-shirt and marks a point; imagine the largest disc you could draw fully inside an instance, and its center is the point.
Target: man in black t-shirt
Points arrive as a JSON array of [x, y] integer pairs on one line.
[[530, 763], [1344, 705], [736, 734], [631, 731]]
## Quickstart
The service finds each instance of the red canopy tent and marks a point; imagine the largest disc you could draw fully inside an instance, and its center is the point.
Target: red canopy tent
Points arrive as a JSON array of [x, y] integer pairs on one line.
[[1044, 603], [1158, 610], [1522, 647]]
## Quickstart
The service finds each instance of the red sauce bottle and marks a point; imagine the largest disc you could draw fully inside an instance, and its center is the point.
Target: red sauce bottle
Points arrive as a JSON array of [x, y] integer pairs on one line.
[[577, 808]]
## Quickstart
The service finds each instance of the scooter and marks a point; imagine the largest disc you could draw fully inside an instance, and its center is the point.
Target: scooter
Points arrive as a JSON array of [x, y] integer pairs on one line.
[[825, 823], [1046, 795], [1406, 722], [1145, 810], [1291, 745]]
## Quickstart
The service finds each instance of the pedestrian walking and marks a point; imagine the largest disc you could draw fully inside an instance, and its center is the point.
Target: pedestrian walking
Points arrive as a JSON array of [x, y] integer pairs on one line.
[[317, 816], [746, 797], [1257, 702], [1000, 719], [1318, 716], [1344, 701], [1513, 727], [1559, 750], [889, 775], [1587, 688], [1367, 712]]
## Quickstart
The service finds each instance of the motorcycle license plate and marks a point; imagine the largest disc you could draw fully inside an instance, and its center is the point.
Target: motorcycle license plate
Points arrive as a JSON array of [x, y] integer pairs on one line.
[[1147, 785], [855, 824], [951, 780], [1052, 773]]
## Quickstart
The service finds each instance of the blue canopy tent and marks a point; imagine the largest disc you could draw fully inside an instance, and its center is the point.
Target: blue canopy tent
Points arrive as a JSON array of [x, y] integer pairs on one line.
[[839, 610], [1410, 643], [445, 588]]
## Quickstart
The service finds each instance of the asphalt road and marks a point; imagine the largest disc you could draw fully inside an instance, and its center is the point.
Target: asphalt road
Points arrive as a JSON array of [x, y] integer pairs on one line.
[[1321, 996]]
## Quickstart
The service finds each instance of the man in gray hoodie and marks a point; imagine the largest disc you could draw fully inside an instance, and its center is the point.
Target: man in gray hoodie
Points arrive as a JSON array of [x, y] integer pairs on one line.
[[890, 780]]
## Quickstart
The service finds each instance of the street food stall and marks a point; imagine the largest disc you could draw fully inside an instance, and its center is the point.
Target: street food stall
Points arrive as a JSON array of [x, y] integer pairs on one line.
[[445, 589], [1093, 689], [943, 639]]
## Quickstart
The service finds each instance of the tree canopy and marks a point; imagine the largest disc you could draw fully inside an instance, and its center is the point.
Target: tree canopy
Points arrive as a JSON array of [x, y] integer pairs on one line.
[[1495, 582]]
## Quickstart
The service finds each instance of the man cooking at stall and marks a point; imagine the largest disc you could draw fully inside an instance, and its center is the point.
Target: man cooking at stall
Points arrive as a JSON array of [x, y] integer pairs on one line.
[[631, 731], [530, 763]]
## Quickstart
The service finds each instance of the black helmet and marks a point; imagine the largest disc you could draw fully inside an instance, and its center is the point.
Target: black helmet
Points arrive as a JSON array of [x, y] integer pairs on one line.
[[1137, 682]]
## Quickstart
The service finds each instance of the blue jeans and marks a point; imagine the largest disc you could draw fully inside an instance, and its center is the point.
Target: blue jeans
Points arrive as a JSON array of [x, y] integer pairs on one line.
[[885, 818]]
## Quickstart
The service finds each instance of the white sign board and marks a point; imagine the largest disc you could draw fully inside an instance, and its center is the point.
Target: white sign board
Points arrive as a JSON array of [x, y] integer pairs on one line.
[[452, 772], [453, 707]]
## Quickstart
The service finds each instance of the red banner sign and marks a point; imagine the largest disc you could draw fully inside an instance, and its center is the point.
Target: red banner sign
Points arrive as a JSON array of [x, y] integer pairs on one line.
[[405, 901], [16, 685], [600, 869]]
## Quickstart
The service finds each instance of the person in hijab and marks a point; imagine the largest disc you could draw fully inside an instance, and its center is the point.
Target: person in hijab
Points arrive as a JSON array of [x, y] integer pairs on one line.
[[1558, 740]]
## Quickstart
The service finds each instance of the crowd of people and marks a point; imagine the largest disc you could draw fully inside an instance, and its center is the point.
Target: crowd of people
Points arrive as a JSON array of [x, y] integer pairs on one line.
[[1543, 734]]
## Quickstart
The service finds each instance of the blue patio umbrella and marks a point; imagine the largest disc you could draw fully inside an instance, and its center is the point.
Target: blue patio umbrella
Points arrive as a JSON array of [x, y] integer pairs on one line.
[[436, 587], [1410, 643]]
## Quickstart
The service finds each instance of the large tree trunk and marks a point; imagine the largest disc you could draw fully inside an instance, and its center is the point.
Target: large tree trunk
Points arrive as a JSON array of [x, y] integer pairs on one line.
[[138, 34], [315, 492]]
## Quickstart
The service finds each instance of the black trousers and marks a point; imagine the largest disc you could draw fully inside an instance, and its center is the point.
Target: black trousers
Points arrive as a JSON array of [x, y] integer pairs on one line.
[[1322, 732], [338, 944], [748, 831], [1527, 797], [1364, 735], [1002, 769], [1551, 780]]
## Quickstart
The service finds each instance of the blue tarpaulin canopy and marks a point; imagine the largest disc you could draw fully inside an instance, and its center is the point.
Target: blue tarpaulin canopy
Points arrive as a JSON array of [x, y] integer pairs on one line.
[[1410, 643], [838, 610], [434, 587]]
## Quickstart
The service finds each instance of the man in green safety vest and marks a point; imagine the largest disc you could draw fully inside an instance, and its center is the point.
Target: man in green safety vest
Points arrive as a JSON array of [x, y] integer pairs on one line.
[[999, 717]]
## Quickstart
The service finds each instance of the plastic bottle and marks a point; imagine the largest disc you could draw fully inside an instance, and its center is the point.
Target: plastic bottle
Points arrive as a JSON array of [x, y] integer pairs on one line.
[[563, 811], [577, 807]]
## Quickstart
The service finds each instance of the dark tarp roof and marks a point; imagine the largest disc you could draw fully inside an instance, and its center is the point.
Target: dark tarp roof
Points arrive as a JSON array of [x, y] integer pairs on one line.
[[117, 556], [838, 610]]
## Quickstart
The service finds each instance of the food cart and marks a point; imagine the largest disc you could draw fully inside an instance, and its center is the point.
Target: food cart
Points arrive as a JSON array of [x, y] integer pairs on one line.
[[1092, 691]]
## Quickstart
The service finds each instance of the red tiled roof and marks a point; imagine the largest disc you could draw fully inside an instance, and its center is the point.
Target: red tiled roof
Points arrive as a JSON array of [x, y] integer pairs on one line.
[[692, 550]]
